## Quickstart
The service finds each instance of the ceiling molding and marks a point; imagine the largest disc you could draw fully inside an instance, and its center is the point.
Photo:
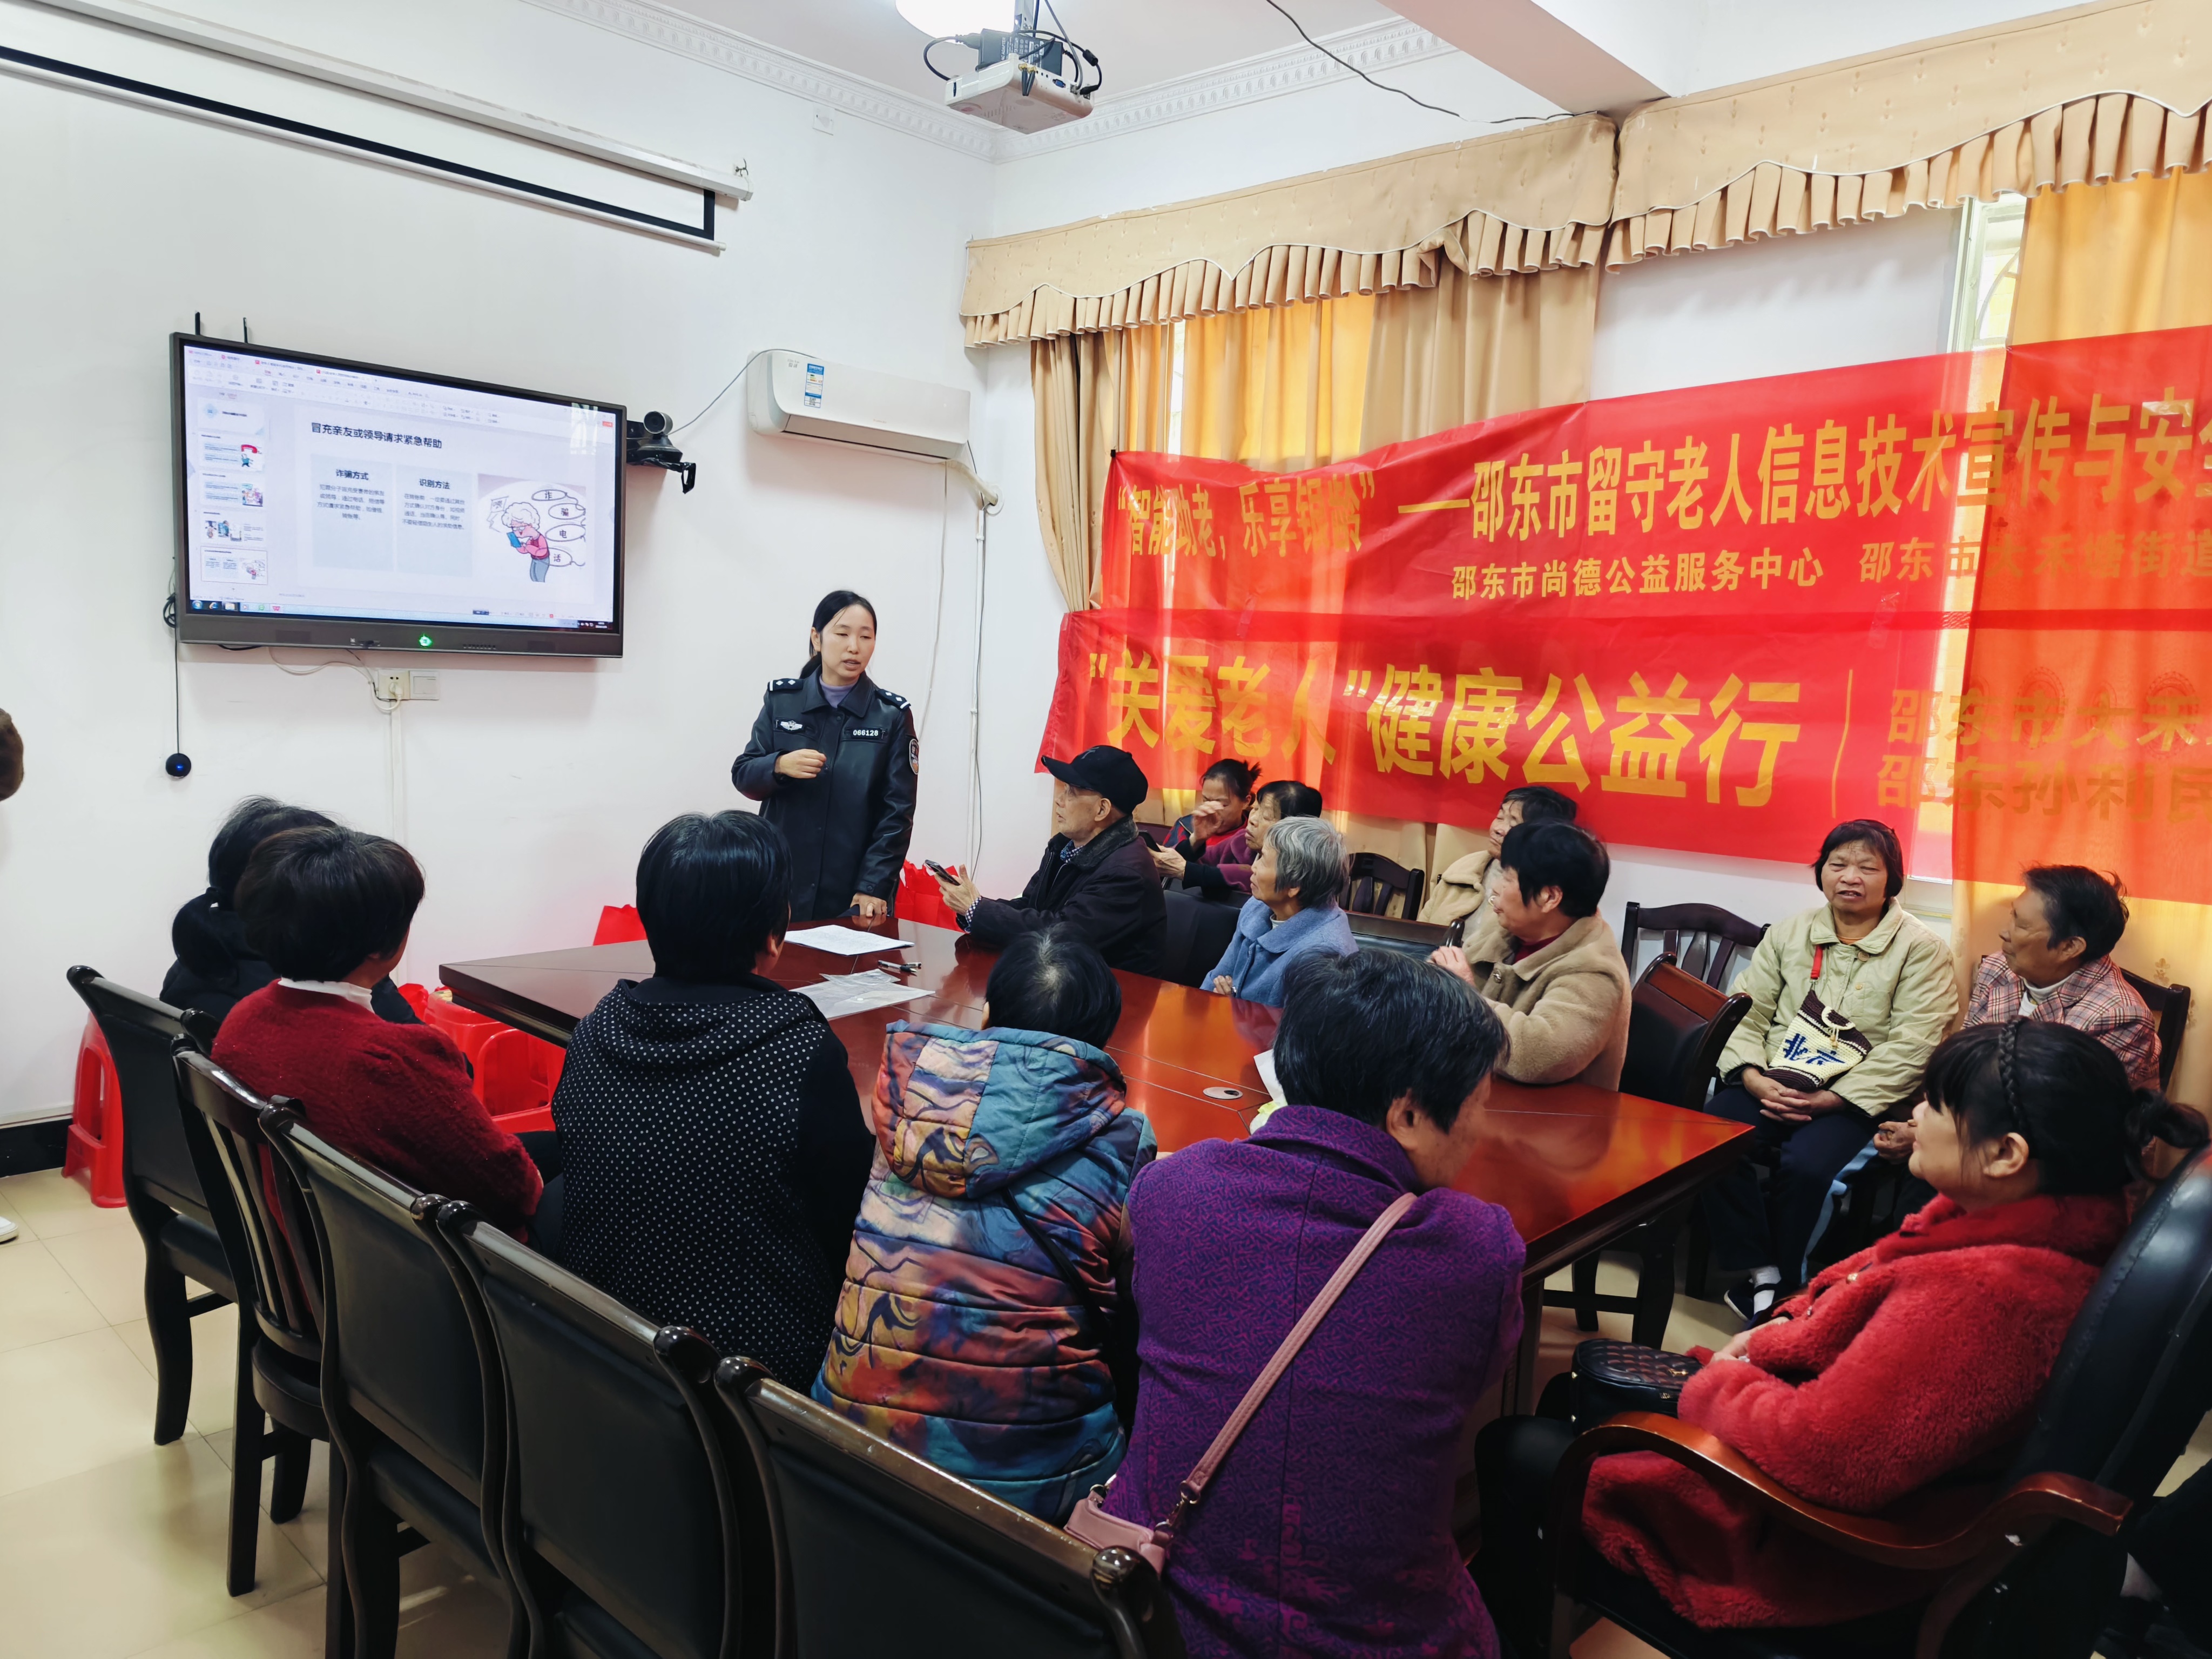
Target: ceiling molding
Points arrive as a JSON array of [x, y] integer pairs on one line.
[[757, 61], [1377, 48]]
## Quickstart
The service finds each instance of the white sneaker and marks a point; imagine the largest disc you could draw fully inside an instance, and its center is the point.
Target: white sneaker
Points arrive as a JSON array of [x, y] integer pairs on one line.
[[8, 1230]]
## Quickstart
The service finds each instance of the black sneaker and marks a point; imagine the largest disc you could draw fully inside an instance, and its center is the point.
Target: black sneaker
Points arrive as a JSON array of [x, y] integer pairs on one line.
[[1753, 1302]]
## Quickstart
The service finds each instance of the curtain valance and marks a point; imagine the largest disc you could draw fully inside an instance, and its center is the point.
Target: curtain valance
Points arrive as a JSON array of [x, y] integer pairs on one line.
[[1537, 199], [2101, 93]]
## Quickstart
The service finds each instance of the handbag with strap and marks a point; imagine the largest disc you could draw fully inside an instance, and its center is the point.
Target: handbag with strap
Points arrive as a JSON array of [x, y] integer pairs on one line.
[[1820, 1043], [1100, 1531], [1611, 1378]]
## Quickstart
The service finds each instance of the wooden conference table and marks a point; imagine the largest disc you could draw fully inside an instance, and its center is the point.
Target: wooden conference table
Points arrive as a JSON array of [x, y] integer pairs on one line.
[[1576, 1167]]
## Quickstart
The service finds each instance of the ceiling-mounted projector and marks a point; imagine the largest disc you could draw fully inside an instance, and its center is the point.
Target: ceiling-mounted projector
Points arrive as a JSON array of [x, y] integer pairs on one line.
[[1026, 78], [1027, 97]]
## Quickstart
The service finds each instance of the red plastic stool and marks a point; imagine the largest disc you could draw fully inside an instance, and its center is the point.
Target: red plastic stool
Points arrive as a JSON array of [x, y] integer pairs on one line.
[[516, 1075], [417, 997], [468, 1032], [920, 899], [618, 925], [94, 1157]]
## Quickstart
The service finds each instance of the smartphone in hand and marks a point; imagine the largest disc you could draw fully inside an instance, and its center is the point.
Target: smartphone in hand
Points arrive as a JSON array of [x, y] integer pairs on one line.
[[939, 870]]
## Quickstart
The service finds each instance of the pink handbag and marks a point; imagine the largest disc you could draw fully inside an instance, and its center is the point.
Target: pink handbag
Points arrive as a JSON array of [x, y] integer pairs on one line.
[[1100, 1531]]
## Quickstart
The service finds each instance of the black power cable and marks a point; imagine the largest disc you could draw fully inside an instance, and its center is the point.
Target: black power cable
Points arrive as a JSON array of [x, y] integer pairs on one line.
[[180, 764], [1355, 69]]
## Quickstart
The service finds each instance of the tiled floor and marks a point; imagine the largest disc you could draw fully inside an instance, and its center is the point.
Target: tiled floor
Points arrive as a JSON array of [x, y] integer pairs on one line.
[[111, 1547]]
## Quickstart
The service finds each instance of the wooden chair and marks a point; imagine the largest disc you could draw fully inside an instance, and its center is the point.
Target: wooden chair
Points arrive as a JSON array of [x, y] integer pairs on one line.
[[2169, 1004], [1375, 881], [281, 1382], [993, 1579], [1705, 941], [160, 1187], [1410, 938], [418, 1418], [2131, 1386], [628, 1532], [1677, 1027]]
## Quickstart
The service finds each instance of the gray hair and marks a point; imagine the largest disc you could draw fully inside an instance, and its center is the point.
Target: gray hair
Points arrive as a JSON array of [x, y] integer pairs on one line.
[[1309, 856]]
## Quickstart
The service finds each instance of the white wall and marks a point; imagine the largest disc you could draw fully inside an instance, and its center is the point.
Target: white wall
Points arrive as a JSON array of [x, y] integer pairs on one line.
[[531, 786], [1859, 295], [1333, 124]]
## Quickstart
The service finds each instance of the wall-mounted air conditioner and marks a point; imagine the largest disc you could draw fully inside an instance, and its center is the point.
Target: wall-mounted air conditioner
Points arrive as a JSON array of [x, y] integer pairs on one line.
[[787, 391]]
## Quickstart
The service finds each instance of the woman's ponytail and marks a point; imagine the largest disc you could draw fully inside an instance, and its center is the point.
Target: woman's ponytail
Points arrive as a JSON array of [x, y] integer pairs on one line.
[[199, 941], [2154, 1117], [198, 944]]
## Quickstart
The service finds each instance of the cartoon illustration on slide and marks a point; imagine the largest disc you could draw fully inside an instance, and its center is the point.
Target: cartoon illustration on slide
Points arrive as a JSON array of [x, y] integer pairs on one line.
[[544, 522], [524, 535]]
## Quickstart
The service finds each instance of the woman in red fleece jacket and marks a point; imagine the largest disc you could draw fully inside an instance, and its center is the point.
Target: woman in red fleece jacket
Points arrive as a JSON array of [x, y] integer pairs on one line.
[[1908, 1361], [329, 909]]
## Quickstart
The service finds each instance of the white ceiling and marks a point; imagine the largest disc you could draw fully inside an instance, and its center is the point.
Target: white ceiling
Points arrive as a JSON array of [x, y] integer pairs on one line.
[[1139, 43]]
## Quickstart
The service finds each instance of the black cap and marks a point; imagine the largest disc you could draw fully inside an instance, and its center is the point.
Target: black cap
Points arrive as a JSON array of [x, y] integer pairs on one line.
[[1103, 770]]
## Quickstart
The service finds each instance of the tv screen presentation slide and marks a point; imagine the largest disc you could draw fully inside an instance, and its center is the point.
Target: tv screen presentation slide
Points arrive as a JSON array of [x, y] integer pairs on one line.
[[316, 490]]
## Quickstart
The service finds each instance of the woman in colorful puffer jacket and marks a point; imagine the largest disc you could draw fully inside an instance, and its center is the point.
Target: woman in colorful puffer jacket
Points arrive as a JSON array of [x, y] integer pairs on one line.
[[982, 1296]]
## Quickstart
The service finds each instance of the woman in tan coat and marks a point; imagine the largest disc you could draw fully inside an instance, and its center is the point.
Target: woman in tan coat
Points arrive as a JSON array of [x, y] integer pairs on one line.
[[1848, 999], [1461, 886], [1545, 961]]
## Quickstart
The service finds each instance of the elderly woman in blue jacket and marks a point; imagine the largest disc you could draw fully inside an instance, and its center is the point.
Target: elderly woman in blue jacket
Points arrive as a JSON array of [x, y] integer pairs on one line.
[[1297, 880]]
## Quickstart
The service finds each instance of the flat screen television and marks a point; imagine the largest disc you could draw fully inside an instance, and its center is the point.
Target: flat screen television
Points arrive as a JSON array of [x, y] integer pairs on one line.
[[326, 503]]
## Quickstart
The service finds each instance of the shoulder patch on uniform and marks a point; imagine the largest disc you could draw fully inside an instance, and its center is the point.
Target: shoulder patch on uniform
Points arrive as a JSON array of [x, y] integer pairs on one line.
[[890, 697], [784, 686]]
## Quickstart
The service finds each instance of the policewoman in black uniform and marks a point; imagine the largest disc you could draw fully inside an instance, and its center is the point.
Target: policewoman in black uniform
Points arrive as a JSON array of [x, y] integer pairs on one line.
[[832, 762]]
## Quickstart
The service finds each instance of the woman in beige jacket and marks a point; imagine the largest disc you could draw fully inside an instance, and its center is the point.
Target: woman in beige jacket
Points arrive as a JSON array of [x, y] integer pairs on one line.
[[1848, 999], [1461, 893], [1546, 962]]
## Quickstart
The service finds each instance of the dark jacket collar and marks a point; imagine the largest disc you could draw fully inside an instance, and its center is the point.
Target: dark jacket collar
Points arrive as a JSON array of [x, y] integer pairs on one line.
[[1100, 847], [1332, 1138], [661, 988], [858, 701]]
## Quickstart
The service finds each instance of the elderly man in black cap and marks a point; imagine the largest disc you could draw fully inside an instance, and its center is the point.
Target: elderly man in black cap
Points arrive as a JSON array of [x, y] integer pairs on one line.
[[1097, 879]]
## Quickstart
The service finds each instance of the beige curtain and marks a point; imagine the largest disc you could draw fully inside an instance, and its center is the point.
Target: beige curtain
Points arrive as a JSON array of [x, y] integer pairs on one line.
[[1472, 347], [2096, 94], [1526, 201], [1076, 382]]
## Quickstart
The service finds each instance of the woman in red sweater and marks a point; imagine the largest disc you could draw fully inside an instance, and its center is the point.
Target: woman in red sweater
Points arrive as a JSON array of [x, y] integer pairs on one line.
[[1915, 1360], [329, 909]]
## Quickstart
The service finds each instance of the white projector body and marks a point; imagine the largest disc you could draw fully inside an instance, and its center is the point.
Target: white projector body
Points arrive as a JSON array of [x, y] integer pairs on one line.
[[1021, 96], [814, 397]]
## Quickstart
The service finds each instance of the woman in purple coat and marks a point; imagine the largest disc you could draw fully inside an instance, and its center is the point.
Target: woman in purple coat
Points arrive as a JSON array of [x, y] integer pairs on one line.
[[1328, 1529]]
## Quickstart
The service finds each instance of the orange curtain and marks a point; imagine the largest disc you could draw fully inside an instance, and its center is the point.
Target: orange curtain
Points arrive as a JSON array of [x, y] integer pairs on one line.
[[2099, 260]]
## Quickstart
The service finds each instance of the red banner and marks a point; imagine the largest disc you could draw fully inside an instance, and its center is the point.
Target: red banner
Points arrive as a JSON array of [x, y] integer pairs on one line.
[[1704, 613], [2081, 731]]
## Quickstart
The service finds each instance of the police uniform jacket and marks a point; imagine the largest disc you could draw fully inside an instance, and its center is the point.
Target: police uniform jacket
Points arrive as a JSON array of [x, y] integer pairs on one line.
[[848, 826]]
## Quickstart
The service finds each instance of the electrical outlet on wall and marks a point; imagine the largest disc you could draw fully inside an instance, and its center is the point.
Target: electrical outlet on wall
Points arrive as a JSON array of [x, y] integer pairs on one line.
[[392, 686]]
